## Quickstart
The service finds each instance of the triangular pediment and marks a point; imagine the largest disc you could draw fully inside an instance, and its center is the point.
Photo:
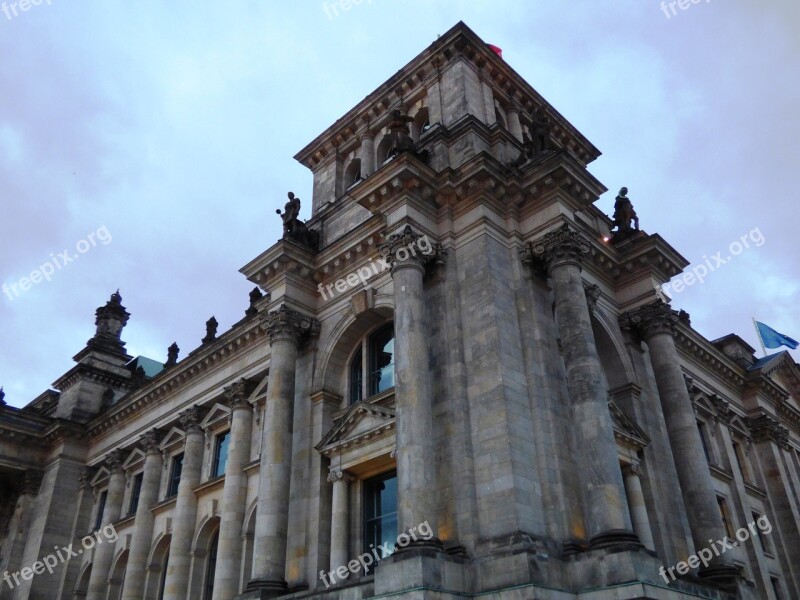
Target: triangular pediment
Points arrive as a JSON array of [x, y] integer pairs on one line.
[[101, 475], [173, 436], [738, 425], [360, 421], [626, 429], [134, 458], [217, 413]]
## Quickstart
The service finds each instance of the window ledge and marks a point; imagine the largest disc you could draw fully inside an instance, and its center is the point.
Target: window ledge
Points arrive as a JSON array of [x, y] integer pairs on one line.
[[210, 485], [164, 505]]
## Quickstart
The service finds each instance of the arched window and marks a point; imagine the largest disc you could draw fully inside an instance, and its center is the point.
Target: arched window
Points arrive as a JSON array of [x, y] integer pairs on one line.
[[384, 151], [376, 374], [211, 567], [421, 124], [352, 174]]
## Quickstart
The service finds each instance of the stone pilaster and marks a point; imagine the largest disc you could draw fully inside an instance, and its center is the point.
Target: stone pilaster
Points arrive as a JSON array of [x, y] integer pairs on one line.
[[234, 495], [607, 518], [286, 329], [655, 323], [636, 503], [185, 514], [513, 122], [416, 460], [143, 529], [339, 520], [104, 553], [367, 154]]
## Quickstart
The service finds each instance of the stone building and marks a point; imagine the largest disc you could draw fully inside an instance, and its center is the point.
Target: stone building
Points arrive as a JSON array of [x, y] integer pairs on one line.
[[456, 346]]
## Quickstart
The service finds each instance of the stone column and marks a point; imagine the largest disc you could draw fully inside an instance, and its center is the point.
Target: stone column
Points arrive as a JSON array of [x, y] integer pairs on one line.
[[133, 588], [339, 520], [656, 323], [514, 125], [416, 458], [607, 516], [633, 490], [27, 488], [104, 553], [185, 513], [285, 328], [367, 154], [234, 495]]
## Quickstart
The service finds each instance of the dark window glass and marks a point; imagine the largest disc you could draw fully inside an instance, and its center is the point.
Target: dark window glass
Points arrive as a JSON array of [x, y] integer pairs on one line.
[[726, 516], [135, 493], [356, 377], [380, 512], [211, 566], [702, 429], [175, 476], [162, 584], [761, 537], [381, 349], [221, 454], [741, 460], [101, 507], [776, 587]]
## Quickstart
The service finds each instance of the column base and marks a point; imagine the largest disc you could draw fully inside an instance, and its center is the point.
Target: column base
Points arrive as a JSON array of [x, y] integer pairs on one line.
[[615, 538], [724, 574], [260, 589], [434, 544]]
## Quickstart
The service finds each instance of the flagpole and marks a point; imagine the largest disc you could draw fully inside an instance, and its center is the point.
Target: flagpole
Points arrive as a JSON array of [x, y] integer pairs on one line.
[[758, 335]]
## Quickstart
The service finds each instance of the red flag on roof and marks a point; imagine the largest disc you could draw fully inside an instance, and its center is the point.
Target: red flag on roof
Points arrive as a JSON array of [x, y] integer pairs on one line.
[[496, 50]]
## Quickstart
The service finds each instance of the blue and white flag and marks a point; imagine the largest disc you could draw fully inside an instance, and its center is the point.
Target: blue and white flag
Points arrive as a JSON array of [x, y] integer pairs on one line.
[[773, 339]]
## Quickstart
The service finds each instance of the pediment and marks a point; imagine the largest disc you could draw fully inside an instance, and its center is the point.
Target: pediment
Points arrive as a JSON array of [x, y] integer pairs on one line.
[[217, 414], [174, 436], [99, 477], [704, 405], [736, 424], [134, 458], [626, 429], [361, 422]]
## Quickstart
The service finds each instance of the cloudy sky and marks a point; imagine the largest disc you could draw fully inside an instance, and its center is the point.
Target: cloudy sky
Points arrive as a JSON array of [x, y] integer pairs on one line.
[[164, 134]]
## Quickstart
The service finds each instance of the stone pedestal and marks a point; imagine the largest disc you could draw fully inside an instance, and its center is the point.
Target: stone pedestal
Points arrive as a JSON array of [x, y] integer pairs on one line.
[[234, 495], [416, 459], [607, 518], [286, 329], [183, 524], [104, 553], [143, 530], [656, 323]]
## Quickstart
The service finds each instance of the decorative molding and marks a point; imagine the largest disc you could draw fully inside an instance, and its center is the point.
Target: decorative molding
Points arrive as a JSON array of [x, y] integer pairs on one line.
[[563, 246], [338, 475], [286, 324], [766, 428], [237, 393], [403, 250], [653, 319], [190, 420], [114, 461], [593, 293]]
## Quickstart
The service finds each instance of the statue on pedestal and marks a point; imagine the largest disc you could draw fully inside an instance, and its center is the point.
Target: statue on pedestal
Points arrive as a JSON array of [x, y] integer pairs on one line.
[[624, 215], [293, 228]]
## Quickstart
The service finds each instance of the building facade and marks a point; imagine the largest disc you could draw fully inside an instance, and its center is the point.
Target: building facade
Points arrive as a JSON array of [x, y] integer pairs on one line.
[[458, 379]]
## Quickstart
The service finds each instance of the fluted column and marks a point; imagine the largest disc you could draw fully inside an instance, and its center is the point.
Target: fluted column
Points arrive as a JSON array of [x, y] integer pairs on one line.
[[104, 553], [143, 529], [656, 323], [416, 459], [367, 155], [234, 495], [633, 490], [607, 516], [285, 328], [339, 518], [514, 125], [185, 515]]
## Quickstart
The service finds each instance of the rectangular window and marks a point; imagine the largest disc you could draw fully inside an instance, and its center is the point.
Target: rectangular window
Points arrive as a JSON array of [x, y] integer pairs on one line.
[[380, 513], [761, 537], [101, 507], [381, 348], [741, 460], [776, 587], [221, 454], [726, 516], [175, 476], [136, 490], [701, 427]]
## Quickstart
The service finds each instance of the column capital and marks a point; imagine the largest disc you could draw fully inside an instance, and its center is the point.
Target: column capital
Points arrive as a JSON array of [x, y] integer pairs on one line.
[[190, 420], [653, 319], [114, 461], [563, 246], [632, 470], [410, 249], [86, 476], [338, 475], [766, 428], [149, 441], [288, 324], [237, 394]]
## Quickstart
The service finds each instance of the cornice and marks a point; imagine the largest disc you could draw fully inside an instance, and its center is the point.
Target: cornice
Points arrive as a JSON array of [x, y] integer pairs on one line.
[[170, 383], [702, 351]]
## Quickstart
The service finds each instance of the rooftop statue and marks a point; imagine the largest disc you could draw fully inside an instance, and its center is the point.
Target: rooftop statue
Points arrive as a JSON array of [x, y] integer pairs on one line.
[[624, 215], [295, 229]]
